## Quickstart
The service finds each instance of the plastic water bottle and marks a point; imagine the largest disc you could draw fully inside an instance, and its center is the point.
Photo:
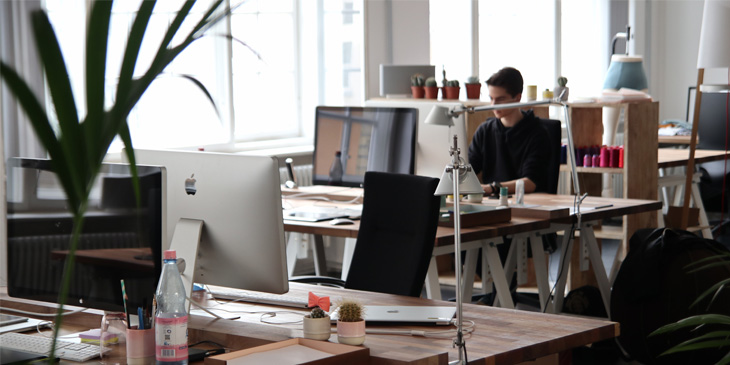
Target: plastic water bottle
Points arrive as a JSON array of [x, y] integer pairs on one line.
[[171, 317], [336, 170], [519, 192]]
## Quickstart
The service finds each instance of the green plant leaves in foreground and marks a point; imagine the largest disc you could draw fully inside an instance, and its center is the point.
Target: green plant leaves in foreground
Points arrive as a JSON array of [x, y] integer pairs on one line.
[[79, 147]]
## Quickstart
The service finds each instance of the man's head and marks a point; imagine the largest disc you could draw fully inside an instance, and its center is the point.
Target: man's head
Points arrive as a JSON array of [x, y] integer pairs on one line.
[[505, 86]]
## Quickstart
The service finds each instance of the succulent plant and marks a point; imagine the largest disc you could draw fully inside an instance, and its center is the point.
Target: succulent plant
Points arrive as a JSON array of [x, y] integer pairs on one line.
[[350, 311], [472, 80], [444, 80], [453, 83], [430, 82], [317, 312], [562, 81], [417, 80]]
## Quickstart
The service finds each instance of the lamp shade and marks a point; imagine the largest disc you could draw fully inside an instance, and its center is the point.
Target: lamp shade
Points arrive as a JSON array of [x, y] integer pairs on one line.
[[714, 46], [468, 183], [440, 115], [626, 71]]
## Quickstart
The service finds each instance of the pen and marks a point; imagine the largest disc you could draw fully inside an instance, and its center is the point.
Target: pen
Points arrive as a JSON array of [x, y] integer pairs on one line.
[[140, 319], [124, 299]]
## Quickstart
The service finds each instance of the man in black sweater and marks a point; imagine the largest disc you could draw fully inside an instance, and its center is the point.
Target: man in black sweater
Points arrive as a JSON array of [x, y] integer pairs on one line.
[[513, 145], [509, 147]]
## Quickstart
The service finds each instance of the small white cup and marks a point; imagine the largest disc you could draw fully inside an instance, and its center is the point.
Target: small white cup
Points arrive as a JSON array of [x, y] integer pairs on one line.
[[475, 198]]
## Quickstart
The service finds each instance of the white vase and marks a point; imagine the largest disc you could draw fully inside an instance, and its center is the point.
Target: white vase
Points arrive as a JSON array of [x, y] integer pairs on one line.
[[317, 328]]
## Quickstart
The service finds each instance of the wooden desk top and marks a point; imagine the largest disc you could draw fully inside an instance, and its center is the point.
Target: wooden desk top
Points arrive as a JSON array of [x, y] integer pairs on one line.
[[444, 235], [676, 139], [501, 336], [672, 157]]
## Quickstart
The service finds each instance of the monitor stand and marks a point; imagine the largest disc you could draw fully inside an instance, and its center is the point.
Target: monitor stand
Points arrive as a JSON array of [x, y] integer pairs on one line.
[[185, 242]]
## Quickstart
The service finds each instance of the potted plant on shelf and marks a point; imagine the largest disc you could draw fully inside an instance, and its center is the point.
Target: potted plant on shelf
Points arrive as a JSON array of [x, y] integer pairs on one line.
[[431, 88], [78, 143], [562, 81], [473, 87], [316, 325], [350, 323], [417, 83], [451, 90]]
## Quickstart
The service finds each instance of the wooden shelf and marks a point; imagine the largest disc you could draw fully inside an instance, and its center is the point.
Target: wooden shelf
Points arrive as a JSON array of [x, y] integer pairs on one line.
[[594, 170]]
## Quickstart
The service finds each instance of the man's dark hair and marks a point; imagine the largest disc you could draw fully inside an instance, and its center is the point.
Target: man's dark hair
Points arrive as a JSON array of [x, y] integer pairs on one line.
[[508, 78]]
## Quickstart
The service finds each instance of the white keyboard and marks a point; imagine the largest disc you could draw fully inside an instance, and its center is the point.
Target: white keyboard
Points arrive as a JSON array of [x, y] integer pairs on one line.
[[42, 345], [257, 297]]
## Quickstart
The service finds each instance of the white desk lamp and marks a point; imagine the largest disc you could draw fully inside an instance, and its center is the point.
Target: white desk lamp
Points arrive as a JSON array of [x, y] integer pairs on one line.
[[459, 178], [714, 52]]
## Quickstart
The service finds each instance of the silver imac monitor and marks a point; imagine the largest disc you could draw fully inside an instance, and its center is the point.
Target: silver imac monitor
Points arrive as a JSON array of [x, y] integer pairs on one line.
[[224, 218]]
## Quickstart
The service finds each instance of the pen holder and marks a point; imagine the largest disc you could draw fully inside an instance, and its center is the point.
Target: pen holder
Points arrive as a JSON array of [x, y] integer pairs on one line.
[[140, 346]]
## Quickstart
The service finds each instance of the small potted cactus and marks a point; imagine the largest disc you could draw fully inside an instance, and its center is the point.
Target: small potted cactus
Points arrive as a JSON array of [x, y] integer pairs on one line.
[[451, 91], [562, 81], [350, 323], [431, 88], [473, 87], [316, 325], [417, 82]]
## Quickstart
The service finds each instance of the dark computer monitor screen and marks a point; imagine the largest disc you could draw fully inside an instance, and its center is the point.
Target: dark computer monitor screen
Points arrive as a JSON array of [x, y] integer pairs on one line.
[[368, 139], [120, 240]]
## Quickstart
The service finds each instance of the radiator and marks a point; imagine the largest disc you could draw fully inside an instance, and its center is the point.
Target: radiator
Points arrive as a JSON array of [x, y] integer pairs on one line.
[[30, 265], [302, 174]]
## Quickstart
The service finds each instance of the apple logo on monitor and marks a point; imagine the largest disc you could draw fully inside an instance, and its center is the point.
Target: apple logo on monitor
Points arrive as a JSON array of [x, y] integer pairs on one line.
[[190, 188]]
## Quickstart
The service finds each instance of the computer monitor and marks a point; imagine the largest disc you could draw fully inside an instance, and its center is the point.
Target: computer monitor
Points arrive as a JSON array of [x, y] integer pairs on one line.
[[433, 141], [120, 240], [369, 139], [236, 200]]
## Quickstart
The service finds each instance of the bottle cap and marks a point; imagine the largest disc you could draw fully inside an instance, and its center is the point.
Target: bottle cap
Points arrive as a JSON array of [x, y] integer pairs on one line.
[[170, 255]]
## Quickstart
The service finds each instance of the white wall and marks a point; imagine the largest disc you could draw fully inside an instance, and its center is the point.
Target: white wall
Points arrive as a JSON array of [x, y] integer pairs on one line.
[[396, 33], [675, 28]]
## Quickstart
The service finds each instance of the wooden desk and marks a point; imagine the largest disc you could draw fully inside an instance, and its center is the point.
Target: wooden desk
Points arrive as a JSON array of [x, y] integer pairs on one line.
[[501, 336], [675, 139], [672, 157]]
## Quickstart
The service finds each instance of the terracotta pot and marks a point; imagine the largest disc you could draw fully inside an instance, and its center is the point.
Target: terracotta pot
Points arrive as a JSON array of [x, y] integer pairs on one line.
[[473, 90], [418, 92], [432, 92], [317, 328], [451, 92], [351, 333]]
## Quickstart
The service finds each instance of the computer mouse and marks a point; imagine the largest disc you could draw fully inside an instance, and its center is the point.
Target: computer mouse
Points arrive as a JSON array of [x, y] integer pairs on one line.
[[341, 221]]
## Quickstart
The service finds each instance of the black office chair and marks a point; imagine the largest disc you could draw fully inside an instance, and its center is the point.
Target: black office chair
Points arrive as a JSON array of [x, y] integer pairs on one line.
[[555, 135], [712, 132], [396, 236]]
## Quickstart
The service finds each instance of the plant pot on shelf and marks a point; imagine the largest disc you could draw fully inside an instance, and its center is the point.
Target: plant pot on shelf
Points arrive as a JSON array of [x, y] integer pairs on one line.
[[473, 90], [418, 92], [317, 328], [431, 92], [451, 92], [559, 90], [351, 333]]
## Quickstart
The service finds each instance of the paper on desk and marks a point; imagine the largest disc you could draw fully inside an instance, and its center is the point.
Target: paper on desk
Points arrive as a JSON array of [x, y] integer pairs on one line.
[[294, 354], [624, 94]]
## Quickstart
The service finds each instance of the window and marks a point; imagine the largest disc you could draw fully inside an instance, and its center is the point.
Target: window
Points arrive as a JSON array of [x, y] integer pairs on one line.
[[310, 54], [523, 34]]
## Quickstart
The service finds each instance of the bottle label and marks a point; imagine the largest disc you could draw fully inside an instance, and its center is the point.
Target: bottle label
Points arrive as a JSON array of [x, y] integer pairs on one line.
[[171, 338]]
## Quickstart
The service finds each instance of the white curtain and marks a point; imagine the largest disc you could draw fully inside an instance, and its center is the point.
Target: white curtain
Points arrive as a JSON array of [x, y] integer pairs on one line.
[[18, 50], [16, 135]]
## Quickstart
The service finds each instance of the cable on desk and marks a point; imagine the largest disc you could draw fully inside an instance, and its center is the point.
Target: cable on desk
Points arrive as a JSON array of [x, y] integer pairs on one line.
[[43, 314]]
